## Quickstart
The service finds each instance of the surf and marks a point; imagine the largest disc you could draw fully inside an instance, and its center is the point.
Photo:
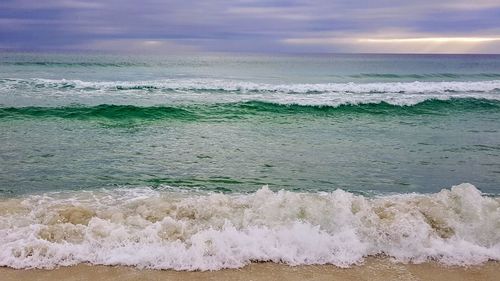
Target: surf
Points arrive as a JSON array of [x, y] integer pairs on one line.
[[244, 86], [166, 229]]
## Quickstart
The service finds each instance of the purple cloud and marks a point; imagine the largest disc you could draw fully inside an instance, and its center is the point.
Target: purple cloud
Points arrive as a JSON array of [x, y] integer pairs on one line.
[[241, 25]]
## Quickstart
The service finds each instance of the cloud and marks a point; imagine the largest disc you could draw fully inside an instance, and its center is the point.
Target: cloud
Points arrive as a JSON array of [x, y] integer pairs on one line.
[[50, 4], [242, 25], [265, 12], [136, 46]]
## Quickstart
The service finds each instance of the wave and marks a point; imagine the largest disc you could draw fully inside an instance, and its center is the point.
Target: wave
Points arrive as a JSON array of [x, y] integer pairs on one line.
[[165, 229], [117, 112], [72, 64], [427, 75], [252, 109], [120, 64], [178, 92], [244, 87]]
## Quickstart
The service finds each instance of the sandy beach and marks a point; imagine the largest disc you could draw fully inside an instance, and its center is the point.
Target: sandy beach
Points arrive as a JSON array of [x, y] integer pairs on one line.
[[373, 269]]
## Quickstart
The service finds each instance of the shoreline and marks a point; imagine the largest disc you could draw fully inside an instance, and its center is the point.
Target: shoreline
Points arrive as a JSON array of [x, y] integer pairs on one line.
[[372, 269]]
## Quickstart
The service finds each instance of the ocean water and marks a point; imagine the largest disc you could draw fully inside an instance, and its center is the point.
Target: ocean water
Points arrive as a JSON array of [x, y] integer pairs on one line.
[[204, 162]]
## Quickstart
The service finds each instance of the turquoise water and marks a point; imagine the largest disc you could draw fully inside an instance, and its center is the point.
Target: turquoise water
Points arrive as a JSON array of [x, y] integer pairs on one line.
[[235, 123], [205, 162]]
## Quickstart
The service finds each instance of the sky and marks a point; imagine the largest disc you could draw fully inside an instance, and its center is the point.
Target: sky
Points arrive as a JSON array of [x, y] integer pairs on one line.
[[282, 26]]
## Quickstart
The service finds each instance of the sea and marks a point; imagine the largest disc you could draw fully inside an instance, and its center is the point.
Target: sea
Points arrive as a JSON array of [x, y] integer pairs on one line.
[[212, 161]]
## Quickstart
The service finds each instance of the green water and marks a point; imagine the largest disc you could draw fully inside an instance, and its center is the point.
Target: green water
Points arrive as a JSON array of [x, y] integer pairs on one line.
[[234, 124]]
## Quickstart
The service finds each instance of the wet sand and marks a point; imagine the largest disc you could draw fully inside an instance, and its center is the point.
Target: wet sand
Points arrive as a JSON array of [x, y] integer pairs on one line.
[[373, 269]]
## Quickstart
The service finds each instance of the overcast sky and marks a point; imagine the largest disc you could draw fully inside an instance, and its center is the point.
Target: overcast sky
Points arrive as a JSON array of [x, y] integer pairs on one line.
[[412, 26]]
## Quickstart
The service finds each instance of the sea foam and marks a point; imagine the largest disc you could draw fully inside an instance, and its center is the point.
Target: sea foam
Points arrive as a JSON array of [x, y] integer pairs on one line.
[[190, 231], [244, 86], [170, 91]]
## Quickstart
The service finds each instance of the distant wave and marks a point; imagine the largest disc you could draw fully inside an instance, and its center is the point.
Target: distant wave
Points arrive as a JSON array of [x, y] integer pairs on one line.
[[427, 75], [119, 64], [252, 109], [184, 231], [73, 64]]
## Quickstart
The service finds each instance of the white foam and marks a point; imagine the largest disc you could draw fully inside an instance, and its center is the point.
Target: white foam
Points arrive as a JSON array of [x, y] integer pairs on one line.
[[242, 86], [174, 230], [221, 91]]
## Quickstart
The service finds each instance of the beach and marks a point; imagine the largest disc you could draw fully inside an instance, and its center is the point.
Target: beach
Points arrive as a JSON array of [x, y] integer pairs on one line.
[[249, 167], [373, 269]]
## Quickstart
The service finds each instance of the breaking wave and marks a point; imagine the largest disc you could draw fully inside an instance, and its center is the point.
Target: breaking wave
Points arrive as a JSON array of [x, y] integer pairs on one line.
[[209, 91], [168, 229], [245, 87]]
